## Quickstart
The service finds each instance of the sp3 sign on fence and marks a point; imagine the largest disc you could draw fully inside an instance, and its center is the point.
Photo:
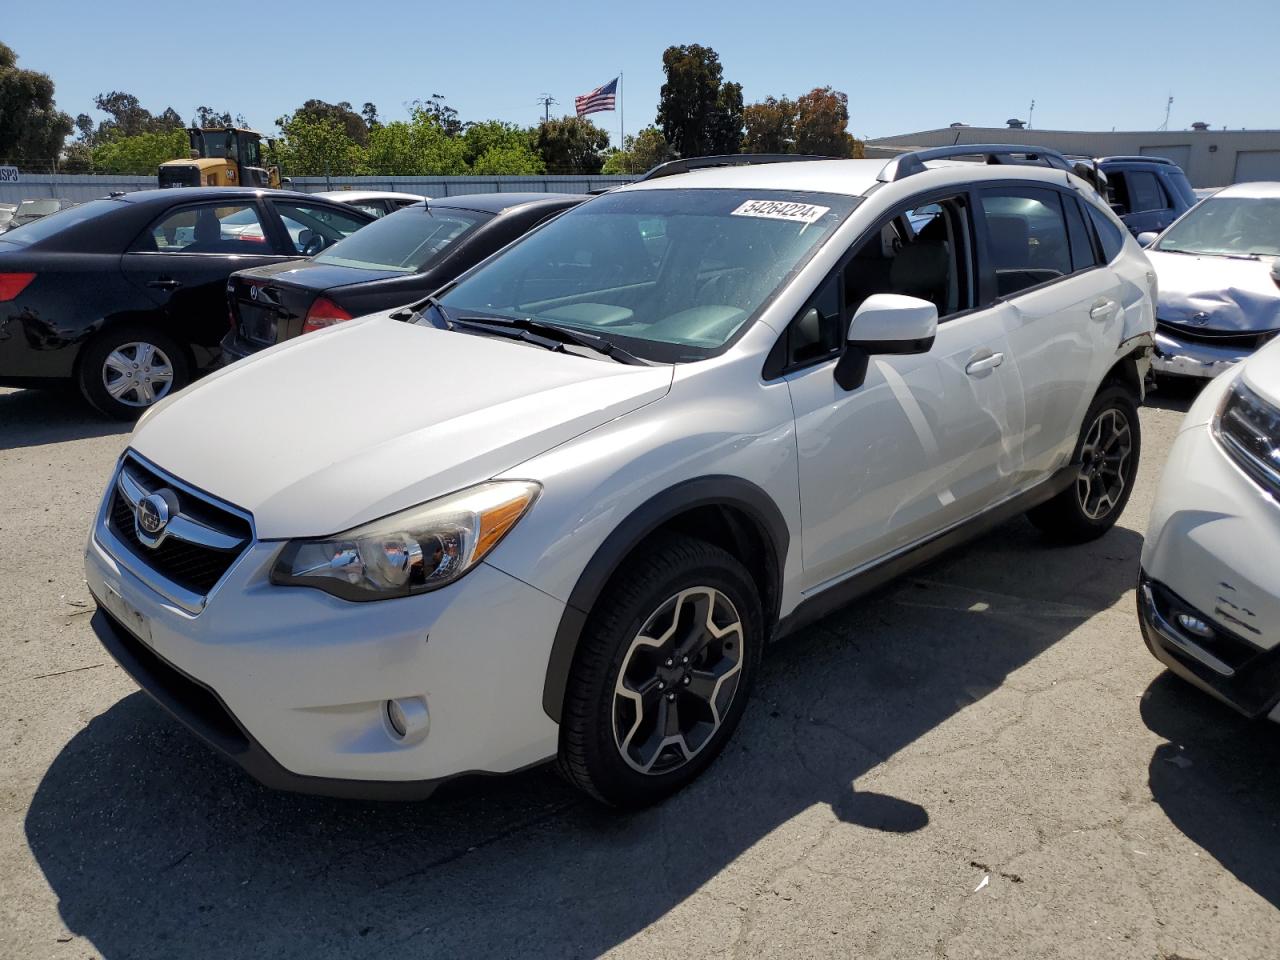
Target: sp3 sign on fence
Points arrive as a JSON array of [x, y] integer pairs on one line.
[[8, 174]]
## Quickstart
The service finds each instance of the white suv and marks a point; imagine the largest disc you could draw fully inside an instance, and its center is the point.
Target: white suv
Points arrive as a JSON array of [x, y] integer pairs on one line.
[[558, 509]]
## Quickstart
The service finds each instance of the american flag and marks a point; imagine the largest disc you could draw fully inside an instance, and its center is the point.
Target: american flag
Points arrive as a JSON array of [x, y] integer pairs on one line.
[[598, 100]]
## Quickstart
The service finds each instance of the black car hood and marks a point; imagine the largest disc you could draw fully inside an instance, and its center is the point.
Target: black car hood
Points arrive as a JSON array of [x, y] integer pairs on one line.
[[317, 276]]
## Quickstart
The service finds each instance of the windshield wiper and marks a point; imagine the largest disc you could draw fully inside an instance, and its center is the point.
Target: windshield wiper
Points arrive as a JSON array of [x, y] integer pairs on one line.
[[546, 335]]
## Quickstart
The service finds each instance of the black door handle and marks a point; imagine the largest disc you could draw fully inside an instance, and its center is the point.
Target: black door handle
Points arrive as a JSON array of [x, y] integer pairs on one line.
[[164, 284]]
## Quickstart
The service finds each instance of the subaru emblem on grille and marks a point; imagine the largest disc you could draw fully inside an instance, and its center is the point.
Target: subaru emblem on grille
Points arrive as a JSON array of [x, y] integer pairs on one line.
[[152, 516], [253, 293]]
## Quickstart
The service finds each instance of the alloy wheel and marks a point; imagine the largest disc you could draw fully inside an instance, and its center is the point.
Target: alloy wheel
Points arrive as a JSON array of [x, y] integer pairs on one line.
[[137, 374], [678, 680], [1104, 462]]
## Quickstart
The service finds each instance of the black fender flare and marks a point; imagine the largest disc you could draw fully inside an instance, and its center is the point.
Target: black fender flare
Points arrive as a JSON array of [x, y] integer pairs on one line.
[[708, 491]]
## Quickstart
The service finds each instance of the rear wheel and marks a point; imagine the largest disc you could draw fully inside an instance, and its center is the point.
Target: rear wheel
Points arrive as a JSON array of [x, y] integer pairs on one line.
[[1106, 463], [123, 371], [662, 673]]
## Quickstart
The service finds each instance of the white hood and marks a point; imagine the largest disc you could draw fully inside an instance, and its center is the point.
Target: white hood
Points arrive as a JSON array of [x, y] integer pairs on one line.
[[373, 416], [1218, 293]]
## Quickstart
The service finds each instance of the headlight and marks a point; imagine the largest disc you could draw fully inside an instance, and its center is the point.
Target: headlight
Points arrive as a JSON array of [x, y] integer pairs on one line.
[[420, 549], [1248, 428]]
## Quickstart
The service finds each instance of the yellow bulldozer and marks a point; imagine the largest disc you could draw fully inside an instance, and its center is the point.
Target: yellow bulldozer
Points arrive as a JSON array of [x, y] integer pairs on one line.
[[221, 157]]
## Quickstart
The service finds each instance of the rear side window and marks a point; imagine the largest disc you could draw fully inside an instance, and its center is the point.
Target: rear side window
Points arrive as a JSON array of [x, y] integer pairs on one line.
[[206, 228], [312, 228], [1027, 241], [1083, 255], [1110, 237], [1145, 192]]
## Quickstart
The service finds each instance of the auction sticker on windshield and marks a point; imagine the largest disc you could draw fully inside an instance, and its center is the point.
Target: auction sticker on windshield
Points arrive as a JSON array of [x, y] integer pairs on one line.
[[781, 210]]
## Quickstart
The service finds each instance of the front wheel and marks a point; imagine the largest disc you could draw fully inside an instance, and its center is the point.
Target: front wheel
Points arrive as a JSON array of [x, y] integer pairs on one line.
[[123, 371], [662, 673], [1106, 464]]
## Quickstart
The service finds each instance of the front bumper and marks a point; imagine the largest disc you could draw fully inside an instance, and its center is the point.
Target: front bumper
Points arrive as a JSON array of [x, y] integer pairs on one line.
[[292, 683], [1193, 358], [1212, 552]]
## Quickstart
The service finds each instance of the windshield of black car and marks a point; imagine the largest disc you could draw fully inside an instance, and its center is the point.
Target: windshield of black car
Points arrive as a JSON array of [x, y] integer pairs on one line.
[[37, 230], [409, 240], [1227, 226], [668, 274]]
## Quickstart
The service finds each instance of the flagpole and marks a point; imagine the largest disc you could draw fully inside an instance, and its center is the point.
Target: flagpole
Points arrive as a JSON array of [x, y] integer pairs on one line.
[[622, 117]]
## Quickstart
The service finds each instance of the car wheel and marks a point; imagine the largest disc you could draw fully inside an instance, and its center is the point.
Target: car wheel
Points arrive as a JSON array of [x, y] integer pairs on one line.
[[662, 673], [123, 371], [1106, 462]]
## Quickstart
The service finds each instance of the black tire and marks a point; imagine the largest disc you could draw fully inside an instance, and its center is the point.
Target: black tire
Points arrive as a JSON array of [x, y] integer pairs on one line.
[[591, 755], [94, 370], [1091, 505]]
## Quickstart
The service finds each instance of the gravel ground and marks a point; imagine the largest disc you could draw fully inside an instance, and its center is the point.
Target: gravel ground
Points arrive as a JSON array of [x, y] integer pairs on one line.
[[981, 760]]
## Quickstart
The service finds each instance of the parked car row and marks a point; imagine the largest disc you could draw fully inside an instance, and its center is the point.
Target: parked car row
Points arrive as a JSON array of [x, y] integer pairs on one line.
[[555, 509], [28, 211]]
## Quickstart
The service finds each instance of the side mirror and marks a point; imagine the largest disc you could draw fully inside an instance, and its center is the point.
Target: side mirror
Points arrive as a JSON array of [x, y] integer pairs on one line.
[[1147, 238], [886, 323]]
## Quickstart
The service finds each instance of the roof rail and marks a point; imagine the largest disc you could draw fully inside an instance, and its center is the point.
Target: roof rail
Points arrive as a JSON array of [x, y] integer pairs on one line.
[[1140, 160], [685, 165], [909, 164]]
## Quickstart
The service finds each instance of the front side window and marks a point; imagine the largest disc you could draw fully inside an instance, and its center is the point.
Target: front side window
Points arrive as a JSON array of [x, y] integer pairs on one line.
[[1227, 227], [313, 228], [669, 274], [206, 228], [922, 251], [405, 242], [1027, 241]]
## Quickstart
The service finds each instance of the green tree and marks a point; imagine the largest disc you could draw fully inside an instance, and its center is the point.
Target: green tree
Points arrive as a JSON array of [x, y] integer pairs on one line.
[[32, 128], [822, 119], [643, 152], [316, 148], [572, 145], [208, 117], [698, 112], [417, 148], [76, 158], [370, 114], [771, 126], [496, 148], [444, 115], [320, 111], [139, 154]]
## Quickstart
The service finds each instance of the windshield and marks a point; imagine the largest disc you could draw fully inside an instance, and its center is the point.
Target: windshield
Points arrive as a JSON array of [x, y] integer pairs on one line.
[[38, 230], [406, 241], [670, 275], [1227, 226]]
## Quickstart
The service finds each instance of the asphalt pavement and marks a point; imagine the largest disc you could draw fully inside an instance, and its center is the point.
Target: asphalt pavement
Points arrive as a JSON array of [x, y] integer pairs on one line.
[[980, 760]]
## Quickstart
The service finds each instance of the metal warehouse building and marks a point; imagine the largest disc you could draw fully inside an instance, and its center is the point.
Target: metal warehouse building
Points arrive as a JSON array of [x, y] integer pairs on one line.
[[1211, 158]]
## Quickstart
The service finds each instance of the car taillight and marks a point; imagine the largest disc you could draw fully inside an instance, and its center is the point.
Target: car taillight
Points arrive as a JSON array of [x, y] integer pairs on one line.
[[323, 313], [12, 284]]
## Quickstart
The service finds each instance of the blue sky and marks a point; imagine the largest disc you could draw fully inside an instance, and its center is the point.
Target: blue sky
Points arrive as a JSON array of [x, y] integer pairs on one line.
[[905, 67]]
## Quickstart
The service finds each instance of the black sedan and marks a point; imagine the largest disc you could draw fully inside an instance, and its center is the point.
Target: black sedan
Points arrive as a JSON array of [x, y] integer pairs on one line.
[[126, 296], [399, 259]]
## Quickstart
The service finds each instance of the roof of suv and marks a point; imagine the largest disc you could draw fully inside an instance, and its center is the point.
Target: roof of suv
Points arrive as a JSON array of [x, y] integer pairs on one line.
[[850, 177]]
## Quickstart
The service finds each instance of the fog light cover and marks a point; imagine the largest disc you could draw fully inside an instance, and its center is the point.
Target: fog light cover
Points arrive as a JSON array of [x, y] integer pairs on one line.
[[1195, 626], [408, 718]]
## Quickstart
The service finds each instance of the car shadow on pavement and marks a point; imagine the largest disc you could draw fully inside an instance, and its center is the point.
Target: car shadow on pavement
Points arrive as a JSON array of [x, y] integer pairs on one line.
[[1216, 780], [1174, 393], [155, 847], [31, 418]]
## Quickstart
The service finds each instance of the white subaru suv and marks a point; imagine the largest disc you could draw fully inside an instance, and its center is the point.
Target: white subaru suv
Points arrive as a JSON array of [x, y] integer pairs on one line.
[[558, 509]]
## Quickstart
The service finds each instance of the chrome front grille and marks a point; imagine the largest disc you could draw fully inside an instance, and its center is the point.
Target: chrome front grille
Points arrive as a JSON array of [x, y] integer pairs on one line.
[[201, 540]]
